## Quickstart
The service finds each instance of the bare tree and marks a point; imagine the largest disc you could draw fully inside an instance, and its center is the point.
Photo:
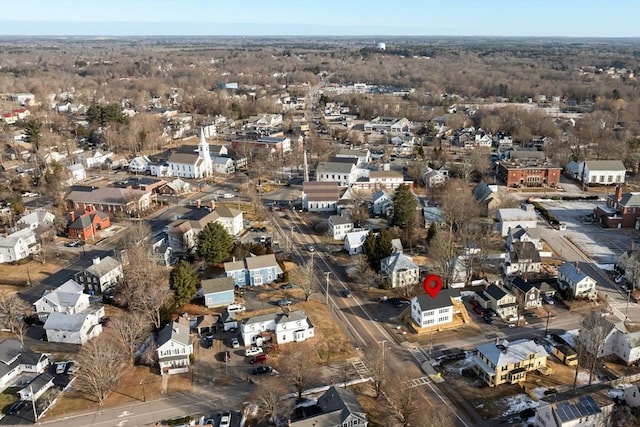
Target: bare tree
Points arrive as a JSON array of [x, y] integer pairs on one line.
[[146, 286], [308, 280], [12, 313], [404, 401], [130, 329], [299, 371], [375, 363], [137, 231], [268, 394], [101, 362], [593, 333]]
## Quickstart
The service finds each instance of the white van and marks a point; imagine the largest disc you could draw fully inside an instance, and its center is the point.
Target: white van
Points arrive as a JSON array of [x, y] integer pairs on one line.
[[238, 308]]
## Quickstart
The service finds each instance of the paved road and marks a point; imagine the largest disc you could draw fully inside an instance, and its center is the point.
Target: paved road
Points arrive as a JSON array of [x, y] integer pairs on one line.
[[365, 331], [619, 302]]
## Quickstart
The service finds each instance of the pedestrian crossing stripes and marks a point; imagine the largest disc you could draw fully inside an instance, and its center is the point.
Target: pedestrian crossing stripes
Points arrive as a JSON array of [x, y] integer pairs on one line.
[[416, 382], [419, 355], [361, 368]]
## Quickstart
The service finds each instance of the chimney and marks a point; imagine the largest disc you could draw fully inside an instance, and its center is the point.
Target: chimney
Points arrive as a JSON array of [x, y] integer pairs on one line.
[[72, 216], [213, 205], [618, 193], [198, 204], [575, 264], [96, 260]]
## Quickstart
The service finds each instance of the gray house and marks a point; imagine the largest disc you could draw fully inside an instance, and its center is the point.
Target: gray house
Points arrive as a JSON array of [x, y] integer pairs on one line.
[[101, 275], [254, 270], [337, 407], [218, 292]]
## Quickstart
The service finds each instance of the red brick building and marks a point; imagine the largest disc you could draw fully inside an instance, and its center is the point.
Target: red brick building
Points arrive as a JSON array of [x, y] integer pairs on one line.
[[622, 210], [85, 225], [520, 174]]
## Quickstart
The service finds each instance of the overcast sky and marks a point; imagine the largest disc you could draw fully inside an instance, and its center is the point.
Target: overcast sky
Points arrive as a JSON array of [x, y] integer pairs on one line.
[[566, 18]]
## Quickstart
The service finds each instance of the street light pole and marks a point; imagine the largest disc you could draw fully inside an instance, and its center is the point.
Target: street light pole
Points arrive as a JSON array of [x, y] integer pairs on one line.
[[626, 310], [327, 290]]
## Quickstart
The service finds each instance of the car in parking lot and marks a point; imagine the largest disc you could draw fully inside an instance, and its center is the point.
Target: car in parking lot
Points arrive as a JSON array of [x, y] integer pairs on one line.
[[310, 248], [208, 340], [261, 358], [225, 420], [479, 310], [235, 343], [16, 407], [61, 367], [253, 351], [261, 370], [284, 302], [74, 244], [288, 286], [487, 319]]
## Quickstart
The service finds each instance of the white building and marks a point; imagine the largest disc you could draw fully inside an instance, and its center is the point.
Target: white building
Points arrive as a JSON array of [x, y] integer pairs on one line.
[[16, 359], [354, 240], [382, 203], [571, 276], [601, 172], [67, 314], [97, 159], [139, 164], [174, 348], [76, 173], [389, 125], [345, 174], [286, 327], [433, 312], [197, 164], [35, 219], [18, 245], [399, 270], [510, 218], [339, 226]]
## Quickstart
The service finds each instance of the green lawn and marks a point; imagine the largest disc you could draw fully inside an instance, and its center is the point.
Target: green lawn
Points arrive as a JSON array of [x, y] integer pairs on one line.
[[7, 398]]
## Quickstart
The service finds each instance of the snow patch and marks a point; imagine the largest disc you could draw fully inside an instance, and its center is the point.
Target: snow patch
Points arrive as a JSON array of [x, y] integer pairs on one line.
[[570, 337], [538, 392], [518, 403], [306, 402], [616, 393]]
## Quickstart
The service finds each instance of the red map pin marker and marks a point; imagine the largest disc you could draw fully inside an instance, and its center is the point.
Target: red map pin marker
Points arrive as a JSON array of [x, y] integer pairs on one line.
[[432, 285]]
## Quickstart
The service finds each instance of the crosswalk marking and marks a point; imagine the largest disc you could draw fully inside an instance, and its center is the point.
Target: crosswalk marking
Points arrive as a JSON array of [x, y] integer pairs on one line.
[[361, 368], [419, 354], [416, 382]]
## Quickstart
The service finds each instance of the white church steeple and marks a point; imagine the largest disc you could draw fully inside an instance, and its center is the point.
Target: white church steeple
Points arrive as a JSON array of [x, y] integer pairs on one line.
[[203, 153]]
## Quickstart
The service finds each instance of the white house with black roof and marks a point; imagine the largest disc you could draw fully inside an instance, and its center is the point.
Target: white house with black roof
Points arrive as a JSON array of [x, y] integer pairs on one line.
[[429, 312], [287, 327], [337, 407], [174, 347], [572, 277], [16, 359]]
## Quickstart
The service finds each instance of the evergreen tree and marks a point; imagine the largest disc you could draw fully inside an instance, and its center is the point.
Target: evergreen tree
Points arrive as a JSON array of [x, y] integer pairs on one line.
[[214, 243], [33, 132], [376, 247], [404, 207], [431, 233], [184, 282]]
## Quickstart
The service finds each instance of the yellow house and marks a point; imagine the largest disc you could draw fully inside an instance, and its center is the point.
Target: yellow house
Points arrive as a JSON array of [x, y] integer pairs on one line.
[[508, 362]]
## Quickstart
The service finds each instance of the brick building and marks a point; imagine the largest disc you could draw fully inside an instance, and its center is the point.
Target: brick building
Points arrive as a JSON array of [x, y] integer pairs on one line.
[[528, 174], [85, 225], [622, 210]]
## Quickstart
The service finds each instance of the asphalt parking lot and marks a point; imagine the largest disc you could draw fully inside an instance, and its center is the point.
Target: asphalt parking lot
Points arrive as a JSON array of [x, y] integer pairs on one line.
[[603, 245]]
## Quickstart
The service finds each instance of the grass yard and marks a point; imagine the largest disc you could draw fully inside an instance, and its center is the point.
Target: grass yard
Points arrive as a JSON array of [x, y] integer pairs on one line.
[[7, 398], [16, 276], [139, 383]]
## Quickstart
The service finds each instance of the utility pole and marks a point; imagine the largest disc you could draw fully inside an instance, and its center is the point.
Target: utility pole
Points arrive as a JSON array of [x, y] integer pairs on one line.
[[546, 329], [327, 290], [33, 404], [382, 355], [626, 310]]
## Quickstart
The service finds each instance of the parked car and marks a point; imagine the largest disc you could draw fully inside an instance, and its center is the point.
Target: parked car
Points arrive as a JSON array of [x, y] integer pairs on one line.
[[487, 319], [549, 300], [479, 310], [512, 325], [346, 293], [288, 286], [261, 370], [208, 340], [253, 351], [261, 358], [310, 248], [61, 367], [225, 420], [619, 278], [16, 407], [284, 301], [238, 308], [235, 343]]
